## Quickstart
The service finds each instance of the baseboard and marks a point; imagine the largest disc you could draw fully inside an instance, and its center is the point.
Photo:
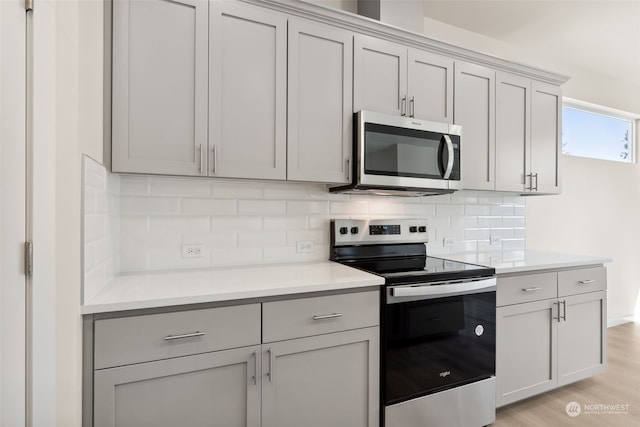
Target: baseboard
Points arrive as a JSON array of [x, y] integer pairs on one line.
[[620, 321]]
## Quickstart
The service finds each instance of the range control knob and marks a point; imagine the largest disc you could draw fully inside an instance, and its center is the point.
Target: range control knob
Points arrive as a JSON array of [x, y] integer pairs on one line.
[[344, 230], [354, 230], [413, 229], [422, 229]]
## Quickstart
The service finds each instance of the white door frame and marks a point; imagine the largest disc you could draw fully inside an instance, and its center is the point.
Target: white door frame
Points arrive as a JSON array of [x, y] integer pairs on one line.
[[13, 295]]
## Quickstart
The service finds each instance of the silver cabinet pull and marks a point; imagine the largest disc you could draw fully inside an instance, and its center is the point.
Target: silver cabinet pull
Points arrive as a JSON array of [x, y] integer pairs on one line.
[[183, 336], [327, 316], [348, 169], [412, 107], [201, 167], [255, 368], [534, 289], [586, 282], [403, 106], [530, 176], [536, 187], [554, 317], [214, 160], [564, 305], [270, 371]]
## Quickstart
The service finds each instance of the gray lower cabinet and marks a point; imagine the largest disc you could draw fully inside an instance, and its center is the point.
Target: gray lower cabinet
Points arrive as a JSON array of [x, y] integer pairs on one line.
[[326, 380], [550, 331], [219, 389], [310, 361]]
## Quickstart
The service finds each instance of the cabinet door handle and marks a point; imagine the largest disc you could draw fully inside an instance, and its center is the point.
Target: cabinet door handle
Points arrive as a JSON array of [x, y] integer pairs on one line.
[[412, 107], [530, 176], [201, 169], [348, 169], [214, 160], [403, 106], [564, 306], [327, 316], [536, 187], [586, 282], [270, 371], [255, 368], [183, 336], [534, 289], [554, 317]]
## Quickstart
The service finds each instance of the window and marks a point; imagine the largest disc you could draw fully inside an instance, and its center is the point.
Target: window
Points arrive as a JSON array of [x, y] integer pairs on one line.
[[597, 132]]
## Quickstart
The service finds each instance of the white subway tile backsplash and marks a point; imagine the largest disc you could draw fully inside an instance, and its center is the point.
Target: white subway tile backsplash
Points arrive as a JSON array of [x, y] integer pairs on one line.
[[262, 239], [135, 223], [180, 187], [179, 224], [449, 210], [134, 185], [149, 205], [261, 207], [208, 206]]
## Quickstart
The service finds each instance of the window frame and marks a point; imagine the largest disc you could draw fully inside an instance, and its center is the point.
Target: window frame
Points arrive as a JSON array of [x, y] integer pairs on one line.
[[613, 113]]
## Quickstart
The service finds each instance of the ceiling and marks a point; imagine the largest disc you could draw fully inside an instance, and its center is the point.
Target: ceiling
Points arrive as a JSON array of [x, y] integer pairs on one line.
[[600, 35]]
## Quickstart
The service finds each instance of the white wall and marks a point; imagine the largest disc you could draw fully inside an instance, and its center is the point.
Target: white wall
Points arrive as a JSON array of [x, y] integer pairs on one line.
[[597, 213]]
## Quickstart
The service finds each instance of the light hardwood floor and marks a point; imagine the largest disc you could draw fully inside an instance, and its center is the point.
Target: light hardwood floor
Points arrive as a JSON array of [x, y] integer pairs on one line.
[[620, 385]]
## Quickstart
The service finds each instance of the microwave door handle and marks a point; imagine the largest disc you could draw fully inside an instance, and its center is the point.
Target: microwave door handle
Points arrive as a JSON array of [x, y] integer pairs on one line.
[[447, 172]]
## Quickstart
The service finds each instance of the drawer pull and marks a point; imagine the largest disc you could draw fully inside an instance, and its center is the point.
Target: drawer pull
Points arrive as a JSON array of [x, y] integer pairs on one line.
[[327, 316], [586, 282], [183, 336], [535, 289]]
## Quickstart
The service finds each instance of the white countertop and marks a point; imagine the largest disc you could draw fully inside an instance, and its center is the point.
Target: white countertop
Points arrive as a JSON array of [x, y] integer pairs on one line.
[[527, 260], [160, 289]]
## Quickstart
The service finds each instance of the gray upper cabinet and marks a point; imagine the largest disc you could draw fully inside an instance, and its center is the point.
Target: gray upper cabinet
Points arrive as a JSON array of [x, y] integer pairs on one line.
[[546, 137], [247, 99], [513, 131], [219, 389], [320, 72], [379, 76], [474, 110], [159, 103], [391, 78], [528, 135], [430, 86]]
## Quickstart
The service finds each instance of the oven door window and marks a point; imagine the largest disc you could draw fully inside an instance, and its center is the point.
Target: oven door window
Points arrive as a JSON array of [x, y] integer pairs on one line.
[[435, 344], [393, 151]]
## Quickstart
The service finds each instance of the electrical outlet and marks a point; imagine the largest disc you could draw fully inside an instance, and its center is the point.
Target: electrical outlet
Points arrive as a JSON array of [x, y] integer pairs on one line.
[[496, 240], [448, 242], [192, 251], [304, 247]]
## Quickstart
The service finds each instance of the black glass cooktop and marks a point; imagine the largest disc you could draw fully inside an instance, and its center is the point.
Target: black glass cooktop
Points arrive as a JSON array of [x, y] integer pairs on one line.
[[407, 264]]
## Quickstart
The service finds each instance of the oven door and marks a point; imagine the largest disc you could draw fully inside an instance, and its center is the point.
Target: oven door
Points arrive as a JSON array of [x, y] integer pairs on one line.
[[437, 336]]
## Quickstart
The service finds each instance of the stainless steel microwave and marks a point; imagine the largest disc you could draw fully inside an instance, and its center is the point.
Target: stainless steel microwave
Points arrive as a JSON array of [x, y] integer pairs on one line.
[[394, 155]]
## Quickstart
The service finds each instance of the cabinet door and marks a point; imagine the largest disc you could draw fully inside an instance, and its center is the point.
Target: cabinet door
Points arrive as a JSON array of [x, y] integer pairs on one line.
[[159, 104], [247, 65], [546, 139], [379, 76], [526, 350], [582, 337], [320, 102], [512, 132], [474, 110], [430, 86], [326, 380], [220, 389]]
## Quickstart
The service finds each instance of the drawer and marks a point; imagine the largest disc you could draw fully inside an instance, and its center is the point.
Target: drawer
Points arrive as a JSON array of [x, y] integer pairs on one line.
[[583, 280], [127, 340], [526, 288], [319, 315]]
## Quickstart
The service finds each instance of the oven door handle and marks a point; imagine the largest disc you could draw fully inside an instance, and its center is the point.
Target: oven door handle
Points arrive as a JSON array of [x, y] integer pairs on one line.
[[433, 291]]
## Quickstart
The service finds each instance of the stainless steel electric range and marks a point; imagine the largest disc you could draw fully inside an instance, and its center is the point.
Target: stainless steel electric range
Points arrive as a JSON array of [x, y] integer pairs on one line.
[[438, 320]]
